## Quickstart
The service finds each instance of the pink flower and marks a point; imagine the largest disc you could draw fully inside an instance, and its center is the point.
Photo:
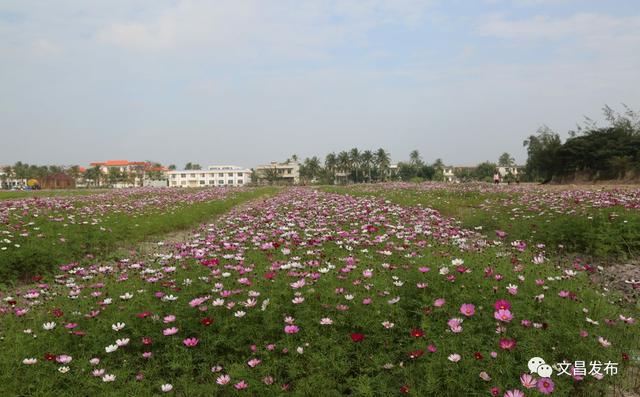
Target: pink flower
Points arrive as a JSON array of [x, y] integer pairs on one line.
[[169, 319], [514, 393], [503, 315], [223, 380], [191, 342], [253, 362], [528, 381], [545, 386], [439, 302], [455, 325], [170, 331], [241, 385], [501, 233], [291, 329], [455, 357], [468, 309]]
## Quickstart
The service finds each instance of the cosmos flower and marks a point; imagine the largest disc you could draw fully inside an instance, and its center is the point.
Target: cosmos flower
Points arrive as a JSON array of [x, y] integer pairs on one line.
[[468, 309], [291, 329], [455, 357], [191, 342], [545, 385]]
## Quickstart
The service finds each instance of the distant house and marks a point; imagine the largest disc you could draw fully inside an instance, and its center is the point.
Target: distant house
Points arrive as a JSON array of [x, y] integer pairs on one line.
[[57, 181], [124, 173], [279, 173], [215, 175], [513, 170]]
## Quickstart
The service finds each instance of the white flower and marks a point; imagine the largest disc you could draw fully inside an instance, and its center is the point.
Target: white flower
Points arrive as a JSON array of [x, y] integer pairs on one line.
[[29, 361], [455, 357], [111, 348], [49, 326], [117, 326], [388, 324], [166, 387], [108, 378], [126, 296], [300, 350], [169, 298], [326, 321], [239, 313], [122, 342], [63, 370]]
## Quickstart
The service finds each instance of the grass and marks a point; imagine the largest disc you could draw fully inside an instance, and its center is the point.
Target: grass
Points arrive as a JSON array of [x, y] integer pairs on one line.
[[600, 233], [64, 241], [328, 240], [15, 194]]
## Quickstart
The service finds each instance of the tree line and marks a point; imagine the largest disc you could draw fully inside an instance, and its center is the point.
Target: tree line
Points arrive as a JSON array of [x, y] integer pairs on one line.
[[590, 152]]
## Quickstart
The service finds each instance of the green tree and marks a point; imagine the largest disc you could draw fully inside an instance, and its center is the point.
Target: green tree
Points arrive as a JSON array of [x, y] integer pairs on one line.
[[506, 160], [542, 149], [382, 162]]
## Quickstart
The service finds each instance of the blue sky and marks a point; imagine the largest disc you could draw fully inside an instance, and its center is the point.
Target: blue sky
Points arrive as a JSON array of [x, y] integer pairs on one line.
[[246, 82]]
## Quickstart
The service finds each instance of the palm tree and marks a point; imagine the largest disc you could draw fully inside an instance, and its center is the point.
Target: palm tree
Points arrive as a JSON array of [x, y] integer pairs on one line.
[[367, 161], [330, 162], [382, 162], [354, 158], [415, 158], [343, 162]]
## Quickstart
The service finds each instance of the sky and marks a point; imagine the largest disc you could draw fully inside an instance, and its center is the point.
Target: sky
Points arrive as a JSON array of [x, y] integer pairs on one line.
[[246, 82]]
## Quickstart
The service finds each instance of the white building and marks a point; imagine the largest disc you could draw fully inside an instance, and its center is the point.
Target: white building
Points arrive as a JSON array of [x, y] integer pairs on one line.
[[279, 173], [216, 175]]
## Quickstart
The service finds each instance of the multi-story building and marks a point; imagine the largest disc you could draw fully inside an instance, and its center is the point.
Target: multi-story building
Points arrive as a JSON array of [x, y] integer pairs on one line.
[[215, 175], [124, 173], [279, 173]]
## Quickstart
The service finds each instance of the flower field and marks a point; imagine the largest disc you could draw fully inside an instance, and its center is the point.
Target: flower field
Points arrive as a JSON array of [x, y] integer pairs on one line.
[[314, 293], [39, 231], [601, 223]]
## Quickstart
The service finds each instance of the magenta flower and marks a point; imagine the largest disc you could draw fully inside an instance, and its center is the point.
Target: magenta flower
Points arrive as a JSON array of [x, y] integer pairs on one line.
[[223, 380], [191, 342], [545, 385], [528, 381], [502, 304], [468, 309], [514, 393], [291, 329], [507, 344], [253, 362]]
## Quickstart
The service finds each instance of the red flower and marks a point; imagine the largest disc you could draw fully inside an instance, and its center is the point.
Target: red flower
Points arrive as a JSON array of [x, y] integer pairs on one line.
[[49, 357], [147, 341], [206, 321], [478, 355], [57, 312], [78, 333], [495, 391], [357, 337], [143, 314], [404, 389], [625, 357], [416, 353], [417, 333]]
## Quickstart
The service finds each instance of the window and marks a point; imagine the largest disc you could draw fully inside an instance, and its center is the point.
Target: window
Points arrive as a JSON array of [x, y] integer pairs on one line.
[[221, 174], [229, 182], [240, 174], [220, 182], [202, 175], [173, 183], [183, 183], [173, 176], [240, 182], [289, 171], [202, 182], [230, 174], [183, 175], [212, 182]]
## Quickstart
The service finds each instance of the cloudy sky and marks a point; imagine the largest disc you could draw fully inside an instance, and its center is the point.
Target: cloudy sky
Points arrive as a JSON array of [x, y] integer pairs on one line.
[[248, 81]]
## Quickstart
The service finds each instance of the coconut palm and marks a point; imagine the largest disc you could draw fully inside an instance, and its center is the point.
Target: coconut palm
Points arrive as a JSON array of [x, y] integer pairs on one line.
[[354, 159], [367, 161], [382, 162], [344, 163], [330, 163]]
